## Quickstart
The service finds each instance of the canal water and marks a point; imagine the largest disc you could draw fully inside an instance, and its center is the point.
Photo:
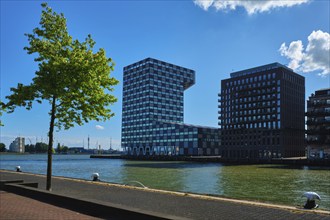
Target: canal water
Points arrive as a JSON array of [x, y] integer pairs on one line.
[[279, 184]]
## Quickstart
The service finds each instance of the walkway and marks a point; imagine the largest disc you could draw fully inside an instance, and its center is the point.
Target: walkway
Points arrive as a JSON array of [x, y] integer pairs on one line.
[[169, 203], [13, 206]]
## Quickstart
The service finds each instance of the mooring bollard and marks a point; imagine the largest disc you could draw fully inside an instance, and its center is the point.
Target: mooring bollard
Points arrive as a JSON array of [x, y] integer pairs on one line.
[[95, 177], [18, 169]]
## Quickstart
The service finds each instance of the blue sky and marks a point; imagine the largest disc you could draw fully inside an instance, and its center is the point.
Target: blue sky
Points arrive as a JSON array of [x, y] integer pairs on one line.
[[213, 38]]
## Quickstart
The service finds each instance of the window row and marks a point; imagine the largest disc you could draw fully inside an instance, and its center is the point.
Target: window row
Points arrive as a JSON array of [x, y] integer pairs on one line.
[[267, 125], [251, 118], [262, 106], [177, 106], [227, 112], [248, 99], [252, 79]]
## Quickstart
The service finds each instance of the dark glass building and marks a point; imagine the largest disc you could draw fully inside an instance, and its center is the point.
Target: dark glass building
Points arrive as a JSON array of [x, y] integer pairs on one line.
[[152, 116], [261, 113], [318, 125]]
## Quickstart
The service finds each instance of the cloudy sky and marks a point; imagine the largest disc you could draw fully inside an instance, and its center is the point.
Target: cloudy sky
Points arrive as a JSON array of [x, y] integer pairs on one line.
[[212, 37]]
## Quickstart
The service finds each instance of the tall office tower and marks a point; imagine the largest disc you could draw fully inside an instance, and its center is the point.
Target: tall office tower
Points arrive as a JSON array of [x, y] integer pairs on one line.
[[318, 125], [152, 116], [262, 113]]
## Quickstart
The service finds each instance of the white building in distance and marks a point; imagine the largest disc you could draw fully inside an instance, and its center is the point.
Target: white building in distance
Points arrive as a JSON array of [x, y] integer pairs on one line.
[[18, 145]]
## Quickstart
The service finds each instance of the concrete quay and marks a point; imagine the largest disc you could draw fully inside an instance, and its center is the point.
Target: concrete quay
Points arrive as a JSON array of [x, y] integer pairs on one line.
[[113, 201]]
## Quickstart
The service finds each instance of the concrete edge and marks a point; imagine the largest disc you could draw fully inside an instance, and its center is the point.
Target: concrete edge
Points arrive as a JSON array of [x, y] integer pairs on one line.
[[4, 182], [84, 206], [204, 197]]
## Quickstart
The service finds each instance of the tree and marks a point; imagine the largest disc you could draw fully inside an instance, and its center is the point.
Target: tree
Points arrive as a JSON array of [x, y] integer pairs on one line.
[[73, 78], [65, 149], [58, 148], [2, 147], [61, 149], [2, 109], [30, 148], [41, 147]]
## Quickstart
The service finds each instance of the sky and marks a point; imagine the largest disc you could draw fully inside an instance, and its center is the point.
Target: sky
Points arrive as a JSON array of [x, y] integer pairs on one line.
[[214, 38]]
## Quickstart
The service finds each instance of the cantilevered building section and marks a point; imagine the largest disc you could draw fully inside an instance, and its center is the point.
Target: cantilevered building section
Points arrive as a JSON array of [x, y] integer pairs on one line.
[[152, 117], [262, 113]]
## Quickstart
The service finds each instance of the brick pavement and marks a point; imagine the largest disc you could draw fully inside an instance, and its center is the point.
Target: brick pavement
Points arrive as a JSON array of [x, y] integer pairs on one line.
[[14, 206]]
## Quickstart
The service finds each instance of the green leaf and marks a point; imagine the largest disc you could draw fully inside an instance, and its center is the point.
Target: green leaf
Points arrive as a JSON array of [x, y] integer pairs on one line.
[[69, 70]]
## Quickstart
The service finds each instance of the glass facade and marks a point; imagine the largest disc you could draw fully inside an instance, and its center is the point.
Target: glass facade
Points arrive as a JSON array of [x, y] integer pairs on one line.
[[152, 115], [262, 113]]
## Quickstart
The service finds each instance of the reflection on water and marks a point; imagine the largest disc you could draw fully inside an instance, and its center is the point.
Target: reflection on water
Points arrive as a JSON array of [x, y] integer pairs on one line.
[[159, 175], [294, 167], [261, 184], [268, 183]]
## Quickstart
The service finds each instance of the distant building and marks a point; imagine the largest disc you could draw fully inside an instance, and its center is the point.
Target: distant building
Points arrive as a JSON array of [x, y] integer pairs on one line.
[[318, 124], [262, 113], [152, 116], [18, 145]]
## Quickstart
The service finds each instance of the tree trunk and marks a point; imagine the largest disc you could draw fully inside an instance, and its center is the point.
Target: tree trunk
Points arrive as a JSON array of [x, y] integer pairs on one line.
[[50, 145]]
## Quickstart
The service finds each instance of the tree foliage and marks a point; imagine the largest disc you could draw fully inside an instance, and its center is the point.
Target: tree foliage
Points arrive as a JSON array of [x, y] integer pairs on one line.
[[69, 71], [2, 109], [3, 147], [73, 78], [31, 148], [61, 149], [39, 147]]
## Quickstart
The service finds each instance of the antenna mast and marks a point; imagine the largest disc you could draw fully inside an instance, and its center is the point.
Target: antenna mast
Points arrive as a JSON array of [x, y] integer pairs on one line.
[[88, 143], [110, 143]]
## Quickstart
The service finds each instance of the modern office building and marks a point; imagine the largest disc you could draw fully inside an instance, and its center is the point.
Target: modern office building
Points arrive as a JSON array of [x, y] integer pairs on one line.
[[18, 145], [152, 115], [318, 125], [261, 113]]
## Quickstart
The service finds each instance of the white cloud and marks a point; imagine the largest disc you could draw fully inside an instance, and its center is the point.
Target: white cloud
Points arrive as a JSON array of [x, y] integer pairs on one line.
[[316, 56], [99, 127], [293, 52], [204, 4], [251, 6]]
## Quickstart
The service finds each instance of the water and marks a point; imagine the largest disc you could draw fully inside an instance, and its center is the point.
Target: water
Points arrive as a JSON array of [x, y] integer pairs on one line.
[[277, 184]]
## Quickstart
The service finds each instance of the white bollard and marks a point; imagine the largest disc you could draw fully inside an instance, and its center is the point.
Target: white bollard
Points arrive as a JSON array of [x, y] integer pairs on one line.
[[95, 177], [18, 169]]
